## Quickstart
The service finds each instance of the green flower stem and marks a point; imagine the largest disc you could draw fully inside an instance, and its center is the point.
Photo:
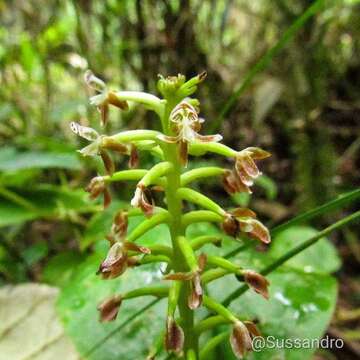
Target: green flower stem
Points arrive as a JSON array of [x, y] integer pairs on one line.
[[191, 355], [188, 253], [200, 173], [161, 218], [135, 135], [293, 252], [210, 323], [198, 149], [214, 274], [200, 199], [224, 264], [174, 294], [208, 348], [200, 216], [200, 241], [150, 101], [156, 172], [149, 259], [125, 175], [157, 291], [220, 309], [160, 250], [176, 228]]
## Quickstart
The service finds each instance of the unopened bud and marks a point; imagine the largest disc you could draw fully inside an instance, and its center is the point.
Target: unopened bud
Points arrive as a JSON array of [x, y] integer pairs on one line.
[[109, 308]]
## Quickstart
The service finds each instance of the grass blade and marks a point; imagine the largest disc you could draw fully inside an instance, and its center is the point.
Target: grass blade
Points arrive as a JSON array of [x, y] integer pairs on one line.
[[265, 60]]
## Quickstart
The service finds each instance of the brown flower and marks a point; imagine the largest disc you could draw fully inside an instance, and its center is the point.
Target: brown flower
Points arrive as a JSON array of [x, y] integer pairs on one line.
[[243, 220], [233, 184], [109, 308], [174, 336], [119, 227], [196, 291], [245, 164], [115, 263], [117, 259], [257, 282], [240, 340], [186, 124], [104, 97], [97, 187], [143, 200]]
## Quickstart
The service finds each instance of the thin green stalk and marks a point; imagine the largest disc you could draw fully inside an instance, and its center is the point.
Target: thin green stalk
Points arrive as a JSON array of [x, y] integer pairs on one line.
[[177, 232], [293, 252], [212, 344], [308, 215]]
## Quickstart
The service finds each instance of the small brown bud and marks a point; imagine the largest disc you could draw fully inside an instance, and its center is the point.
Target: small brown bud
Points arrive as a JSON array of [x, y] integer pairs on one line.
[[196, 292], [109, 308], [97, 187], [257, 282], [240, 340], [174, 337], [115, 263]]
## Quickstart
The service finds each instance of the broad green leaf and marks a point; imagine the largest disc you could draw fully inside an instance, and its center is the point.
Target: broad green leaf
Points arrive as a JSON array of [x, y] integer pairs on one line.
[[321, 257], [12, 160], [29, 327], [47, 201], [77, 307], [60, 268], [300, 306]]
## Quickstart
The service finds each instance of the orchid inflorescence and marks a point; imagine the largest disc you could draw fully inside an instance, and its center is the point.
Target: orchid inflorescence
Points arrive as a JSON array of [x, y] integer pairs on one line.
[[187, 271]]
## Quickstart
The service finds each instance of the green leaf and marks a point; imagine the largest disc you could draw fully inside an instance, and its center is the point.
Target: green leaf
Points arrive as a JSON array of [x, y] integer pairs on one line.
[[321, 257], [32, 254], [60, 268], [300, 306], [46, 201], [12, 160], [77, 307]]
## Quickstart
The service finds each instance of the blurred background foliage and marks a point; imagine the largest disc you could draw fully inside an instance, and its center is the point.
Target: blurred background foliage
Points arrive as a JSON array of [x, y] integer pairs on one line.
[[303, 107]]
